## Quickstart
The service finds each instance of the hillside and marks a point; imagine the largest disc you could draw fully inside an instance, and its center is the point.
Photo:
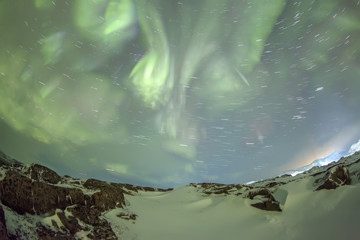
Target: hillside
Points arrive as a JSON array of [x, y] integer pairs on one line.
[[322, 203]]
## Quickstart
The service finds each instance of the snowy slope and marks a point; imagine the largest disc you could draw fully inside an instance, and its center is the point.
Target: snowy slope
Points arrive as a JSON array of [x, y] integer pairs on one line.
[[188, 213], [322, 203]]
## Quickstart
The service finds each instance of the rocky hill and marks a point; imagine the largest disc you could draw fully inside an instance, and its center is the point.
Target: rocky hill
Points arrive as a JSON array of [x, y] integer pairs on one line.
[[40, 204], [37, 203]]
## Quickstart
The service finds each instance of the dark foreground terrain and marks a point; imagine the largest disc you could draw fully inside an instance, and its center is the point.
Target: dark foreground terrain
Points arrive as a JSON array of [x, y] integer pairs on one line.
[[37, 203]]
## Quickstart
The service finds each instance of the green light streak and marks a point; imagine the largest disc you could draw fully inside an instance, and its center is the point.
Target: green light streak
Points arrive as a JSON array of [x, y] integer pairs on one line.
[[52, 47], [57, 74], [151, 75], [109, 23], [44, 4]]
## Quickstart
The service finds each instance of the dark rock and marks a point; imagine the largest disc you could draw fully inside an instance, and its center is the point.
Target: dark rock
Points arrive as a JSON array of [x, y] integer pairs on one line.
[[130, 187], [127, 216], [164, 190], [285, 175], [336, 177], [103, 232], [239, 186], [70, 223], [3, 230], [88, 215], [260, 192], [268, 205], [95, 184], [138, 188], [211, 185], [219, 188], [110, 196], [132, 216], [47, 234], [33, 191], [41, 173], [216, 188], [264, 199], [223, 190], [148, 189], [273, 184], [26, 196]]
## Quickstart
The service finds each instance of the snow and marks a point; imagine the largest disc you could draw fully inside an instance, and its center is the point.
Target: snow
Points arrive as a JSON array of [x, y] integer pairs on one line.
[[320, 215], [82, 235], [333, 157], [354, 148], [23, 225], [70, 184], [119, 226], [47, 221], [186, 213]]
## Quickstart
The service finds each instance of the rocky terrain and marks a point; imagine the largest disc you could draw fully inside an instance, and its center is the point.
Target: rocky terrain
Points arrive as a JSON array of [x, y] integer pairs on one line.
[[37, 203], [44, 205]]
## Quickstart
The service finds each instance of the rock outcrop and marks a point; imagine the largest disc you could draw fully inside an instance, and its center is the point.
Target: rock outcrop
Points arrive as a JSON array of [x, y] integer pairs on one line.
[[37, 197], [41, 173], [263, 199], [25, 195], [260, 197], [220, 189], [336, 177], [78, 205]]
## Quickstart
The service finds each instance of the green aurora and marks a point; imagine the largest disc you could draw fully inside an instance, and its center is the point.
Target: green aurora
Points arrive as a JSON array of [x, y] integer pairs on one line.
[[115, 74]]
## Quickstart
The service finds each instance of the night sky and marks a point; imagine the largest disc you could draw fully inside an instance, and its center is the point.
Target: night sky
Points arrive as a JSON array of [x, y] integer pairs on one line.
[[164, 93]]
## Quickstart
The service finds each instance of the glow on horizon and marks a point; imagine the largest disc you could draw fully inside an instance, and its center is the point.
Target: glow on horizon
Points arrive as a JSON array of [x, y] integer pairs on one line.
[[314, 150]]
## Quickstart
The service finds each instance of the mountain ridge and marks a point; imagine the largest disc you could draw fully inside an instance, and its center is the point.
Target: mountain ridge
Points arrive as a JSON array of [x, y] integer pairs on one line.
[[37, 203]]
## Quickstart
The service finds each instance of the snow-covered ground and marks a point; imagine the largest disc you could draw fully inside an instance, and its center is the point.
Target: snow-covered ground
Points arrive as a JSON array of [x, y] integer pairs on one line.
[[187, 213], [212, 211]]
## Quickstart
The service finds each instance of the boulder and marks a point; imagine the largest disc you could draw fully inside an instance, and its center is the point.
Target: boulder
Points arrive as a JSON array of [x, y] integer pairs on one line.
[[263, 199], [110, 196], [70, 223], [41, 173], [264, 192], [336, 177], [268, 205], [127, 216], [88, 215], [274, 184], [218, 188]]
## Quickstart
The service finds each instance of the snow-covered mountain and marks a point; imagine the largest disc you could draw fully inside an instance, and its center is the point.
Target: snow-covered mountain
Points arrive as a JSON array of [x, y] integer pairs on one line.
[[322, 203], [333, 157]]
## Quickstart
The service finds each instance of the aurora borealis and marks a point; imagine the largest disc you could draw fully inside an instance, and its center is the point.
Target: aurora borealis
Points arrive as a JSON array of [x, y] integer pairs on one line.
[[166, 92]]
